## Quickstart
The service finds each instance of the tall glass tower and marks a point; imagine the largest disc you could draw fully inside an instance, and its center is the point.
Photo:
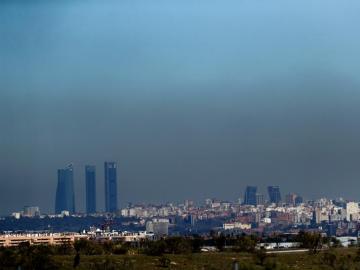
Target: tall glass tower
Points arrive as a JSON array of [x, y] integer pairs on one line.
[[110, 187], [250, 195], [65, 198], [90, 185], [274, 194]]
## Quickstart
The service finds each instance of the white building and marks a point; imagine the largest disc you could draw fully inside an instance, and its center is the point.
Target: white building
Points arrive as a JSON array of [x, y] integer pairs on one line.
[[158, 227], [352, 211], [347, 241], [236, 225], [31, 211]]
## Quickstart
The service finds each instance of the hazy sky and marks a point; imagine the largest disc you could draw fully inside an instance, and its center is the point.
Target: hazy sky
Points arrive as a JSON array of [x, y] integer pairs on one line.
[[192, 98]]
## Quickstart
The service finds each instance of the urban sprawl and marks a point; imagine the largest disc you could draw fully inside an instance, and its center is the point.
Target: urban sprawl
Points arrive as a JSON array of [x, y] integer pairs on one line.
[[255, 214]]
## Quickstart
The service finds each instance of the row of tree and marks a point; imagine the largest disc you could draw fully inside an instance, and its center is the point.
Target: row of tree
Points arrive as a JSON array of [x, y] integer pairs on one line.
[[28, 256]]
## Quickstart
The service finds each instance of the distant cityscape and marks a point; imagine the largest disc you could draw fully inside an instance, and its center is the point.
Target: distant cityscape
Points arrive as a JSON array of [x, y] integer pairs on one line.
[[65, 194], [254, 214]]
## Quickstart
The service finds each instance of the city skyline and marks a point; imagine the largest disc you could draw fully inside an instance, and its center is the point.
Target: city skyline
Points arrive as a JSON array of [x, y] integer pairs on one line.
[[65, 196], [90, 182]]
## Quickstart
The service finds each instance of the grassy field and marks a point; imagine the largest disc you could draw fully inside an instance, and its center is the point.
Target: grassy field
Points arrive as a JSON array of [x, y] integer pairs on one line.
[[342, 259]]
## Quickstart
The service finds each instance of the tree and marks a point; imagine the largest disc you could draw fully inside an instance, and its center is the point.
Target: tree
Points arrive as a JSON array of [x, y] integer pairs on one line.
[[8, 258], [260, 256], [155, 248], [164, 262], [334, 242], [312, 241], [76, 260], [88, 247], [220, 242], [196, 243], [178, 245], [120, 249], [37, 257], [65, 248], [245, 244], [108, 247], [329, 259]]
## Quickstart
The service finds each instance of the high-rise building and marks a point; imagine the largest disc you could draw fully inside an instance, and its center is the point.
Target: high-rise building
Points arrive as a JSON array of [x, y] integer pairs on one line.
[[250, 195], [298, 200], [159, 227], [90, 185], [65, 197], [31, 211], [293, 199], [290, 198], [319, 216], [110, 187], [352, 211], [260, 200], [274, 194]]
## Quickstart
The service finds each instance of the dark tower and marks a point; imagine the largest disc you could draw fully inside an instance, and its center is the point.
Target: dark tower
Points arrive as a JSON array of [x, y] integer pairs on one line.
[[90, 183], [65, 198], [274, 194], [110, 187], [250, 195]]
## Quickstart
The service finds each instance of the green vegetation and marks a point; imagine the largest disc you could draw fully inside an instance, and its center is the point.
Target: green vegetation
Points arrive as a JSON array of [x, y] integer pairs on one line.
[[337, 259], [181, 253]]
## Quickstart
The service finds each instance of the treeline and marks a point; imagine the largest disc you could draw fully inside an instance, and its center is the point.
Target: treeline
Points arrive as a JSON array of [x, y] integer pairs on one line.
[[40, 257]]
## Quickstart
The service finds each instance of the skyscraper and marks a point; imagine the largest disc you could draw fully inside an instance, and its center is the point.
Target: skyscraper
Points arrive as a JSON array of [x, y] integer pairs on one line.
[[250, 195], [290, 198], [110, 187], [298, 200], [90, 183], [274, 194], [65, 198], [260, 200]]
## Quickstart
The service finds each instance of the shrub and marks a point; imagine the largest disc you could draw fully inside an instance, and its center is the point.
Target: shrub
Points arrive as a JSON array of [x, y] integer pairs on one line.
[[120, 249], [155, 248], [164, 262], [245, 244], [87, 247]]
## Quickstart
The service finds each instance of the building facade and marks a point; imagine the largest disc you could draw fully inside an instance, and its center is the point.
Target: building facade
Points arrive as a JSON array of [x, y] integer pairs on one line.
[[158, 227], [31, 211], [290, 198], [274, 194], [352, 211], [260, 199], [90, 185], [111, 200], [250, 195], [65, 197]]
